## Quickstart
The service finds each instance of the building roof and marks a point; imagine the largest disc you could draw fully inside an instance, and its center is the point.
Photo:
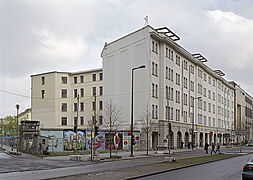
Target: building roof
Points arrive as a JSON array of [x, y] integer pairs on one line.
[[164, 37], [69, 73]]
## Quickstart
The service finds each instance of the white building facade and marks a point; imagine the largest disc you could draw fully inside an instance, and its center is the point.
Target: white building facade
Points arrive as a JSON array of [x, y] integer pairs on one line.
[[176, 86], [55, 99]]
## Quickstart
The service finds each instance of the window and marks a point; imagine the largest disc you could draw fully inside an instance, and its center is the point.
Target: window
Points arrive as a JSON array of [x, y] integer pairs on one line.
[[209, 107], [185, 82], [192, 86], [178, 60], [43, 94], [177, 115], [199, 88], [81, 121], [200, 73], [204, 76], [154, 47], [213, 121], [166, 73], [213, 108], [185, 101], [185, 65], [156, 110], [75, 107], [200, 103], [42, 80], [75, 121], [171, 93], [204, 105], [100, 90], [213, 96], [191, 69], [63, 121], [178, 96], [199, 118], [94, 91], [166, 52], [82, 92], [209, 94], [93, 106], [81, 106], [100, 105], [64, 93], [204, 92], [93, 77], [64, 80], [75, 80], [205, 120], [213, 82], [100, 120], [64, 107], [153, 111], [81, 79], [170, 54], [209, 79], [75, 93], [156, 69], [154, 90], [170, 74], [177, 79], [101, 76]]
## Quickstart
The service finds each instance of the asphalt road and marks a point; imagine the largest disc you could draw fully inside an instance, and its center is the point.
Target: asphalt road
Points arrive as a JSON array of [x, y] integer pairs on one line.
[[228, 169]]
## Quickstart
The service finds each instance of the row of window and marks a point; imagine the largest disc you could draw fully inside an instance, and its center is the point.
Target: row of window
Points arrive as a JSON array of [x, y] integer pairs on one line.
[[64, 80], [64, 106], [64, 120]]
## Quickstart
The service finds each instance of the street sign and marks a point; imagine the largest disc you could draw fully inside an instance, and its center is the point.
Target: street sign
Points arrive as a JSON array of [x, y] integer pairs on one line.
[[8, 132], [165, 141], [241, 132]]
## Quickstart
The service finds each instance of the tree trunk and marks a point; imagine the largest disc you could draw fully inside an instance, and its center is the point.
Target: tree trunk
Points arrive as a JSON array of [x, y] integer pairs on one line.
[[110, 145], [147, 143]]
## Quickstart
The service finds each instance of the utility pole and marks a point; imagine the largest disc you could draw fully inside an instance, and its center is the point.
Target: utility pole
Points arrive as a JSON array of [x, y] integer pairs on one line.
[[17, 106], [168, 115], [94, 125], [1, 133], [77, 121]]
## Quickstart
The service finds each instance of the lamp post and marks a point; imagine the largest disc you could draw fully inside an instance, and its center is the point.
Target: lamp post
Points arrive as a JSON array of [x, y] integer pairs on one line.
[[132, 106], [2, 133], [193, 119], [17, 106]]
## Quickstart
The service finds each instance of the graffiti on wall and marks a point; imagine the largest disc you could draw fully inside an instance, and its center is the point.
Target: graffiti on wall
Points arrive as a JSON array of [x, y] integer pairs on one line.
[[99, 141], [127, 140], [70, 140]]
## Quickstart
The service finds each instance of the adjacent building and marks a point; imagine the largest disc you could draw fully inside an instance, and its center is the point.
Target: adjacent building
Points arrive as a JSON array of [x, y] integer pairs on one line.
[[62, 100], [25, 115], [243, 114], [182, 93]]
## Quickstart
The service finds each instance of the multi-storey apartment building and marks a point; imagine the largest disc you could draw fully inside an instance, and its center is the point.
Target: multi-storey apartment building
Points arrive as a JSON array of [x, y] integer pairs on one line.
[[25, 115], [55, 98], [243, 117], [180, 91], [62, 100]]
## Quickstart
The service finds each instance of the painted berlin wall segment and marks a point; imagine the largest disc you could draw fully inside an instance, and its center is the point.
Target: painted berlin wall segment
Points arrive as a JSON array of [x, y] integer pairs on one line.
[[70, 137], [99, 141]]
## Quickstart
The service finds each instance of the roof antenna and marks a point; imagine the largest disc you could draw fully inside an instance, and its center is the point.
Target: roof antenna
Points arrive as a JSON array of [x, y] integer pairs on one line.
[[146, 21]]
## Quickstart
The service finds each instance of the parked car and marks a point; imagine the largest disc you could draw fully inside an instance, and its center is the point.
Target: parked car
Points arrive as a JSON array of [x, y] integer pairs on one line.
[[247, 172], [250, 143]]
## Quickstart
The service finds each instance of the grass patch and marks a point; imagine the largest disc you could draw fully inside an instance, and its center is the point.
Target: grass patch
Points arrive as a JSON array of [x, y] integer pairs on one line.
[[199, 160]]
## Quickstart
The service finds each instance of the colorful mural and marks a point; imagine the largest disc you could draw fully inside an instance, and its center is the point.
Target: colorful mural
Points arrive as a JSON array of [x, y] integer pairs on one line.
[[70, 140], [127, 140], [99, 141]]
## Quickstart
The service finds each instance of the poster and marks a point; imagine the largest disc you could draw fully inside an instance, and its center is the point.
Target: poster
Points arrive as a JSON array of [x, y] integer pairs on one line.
[[70, 140], [127, 140]]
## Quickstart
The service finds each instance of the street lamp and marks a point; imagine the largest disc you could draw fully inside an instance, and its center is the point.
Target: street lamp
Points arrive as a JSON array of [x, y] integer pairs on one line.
[[193, 119], [17, 106], [132, 106]]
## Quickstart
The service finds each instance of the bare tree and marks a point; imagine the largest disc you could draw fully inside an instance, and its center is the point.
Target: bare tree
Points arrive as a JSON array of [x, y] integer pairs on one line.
[[112, 120], [146, 123]]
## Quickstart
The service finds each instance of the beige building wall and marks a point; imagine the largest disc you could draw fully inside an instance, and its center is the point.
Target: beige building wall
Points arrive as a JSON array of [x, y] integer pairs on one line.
[[26, 115], [48, 110]]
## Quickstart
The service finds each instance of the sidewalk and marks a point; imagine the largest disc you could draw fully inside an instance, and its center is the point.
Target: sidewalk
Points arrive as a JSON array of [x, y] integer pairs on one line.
[[124, 154]]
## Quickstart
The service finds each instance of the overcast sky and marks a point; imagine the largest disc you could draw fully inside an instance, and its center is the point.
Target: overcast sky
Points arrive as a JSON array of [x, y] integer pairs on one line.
[[68, 35]]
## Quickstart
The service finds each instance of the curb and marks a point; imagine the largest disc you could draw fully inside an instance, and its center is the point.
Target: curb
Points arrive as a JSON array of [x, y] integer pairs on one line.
[[168, 170]]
